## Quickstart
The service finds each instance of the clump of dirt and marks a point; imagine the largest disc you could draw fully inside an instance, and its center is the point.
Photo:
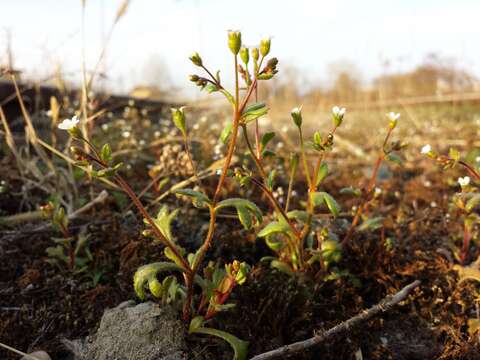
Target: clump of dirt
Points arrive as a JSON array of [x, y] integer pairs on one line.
[[135, 332]]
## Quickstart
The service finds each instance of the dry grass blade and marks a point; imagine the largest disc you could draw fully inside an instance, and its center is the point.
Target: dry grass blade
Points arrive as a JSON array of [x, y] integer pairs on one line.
[[122, 10], [11, 142], [211, 170], [72, 162], [18, 352], [32, 134]]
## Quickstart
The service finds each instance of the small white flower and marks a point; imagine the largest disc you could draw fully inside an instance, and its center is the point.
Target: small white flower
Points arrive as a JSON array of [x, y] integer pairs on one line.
[[464, 181], [426, 149], [284, 128], [69, 124], [337, 111], [393, 116], [126, 134], [378, 191], [105, 127]]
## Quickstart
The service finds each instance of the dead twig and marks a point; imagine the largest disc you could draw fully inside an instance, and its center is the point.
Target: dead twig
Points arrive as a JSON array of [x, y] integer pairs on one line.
[[38, 215], [385, 305]]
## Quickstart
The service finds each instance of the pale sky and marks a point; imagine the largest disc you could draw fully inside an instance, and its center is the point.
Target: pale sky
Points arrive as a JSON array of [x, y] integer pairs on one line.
[[307, 34]]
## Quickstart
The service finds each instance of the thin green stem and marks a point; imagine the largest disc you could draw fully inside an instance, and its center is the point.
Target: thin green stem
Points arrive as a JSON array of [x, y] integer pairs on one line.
[[304, 158]]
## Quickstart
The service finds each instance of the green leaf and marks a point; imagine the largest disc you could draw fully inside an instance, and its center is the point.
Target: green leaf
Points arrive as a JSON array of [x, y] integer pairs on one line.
[[244, 217], [454, 154], [195, 323], [253, 112], [322, 173], [229, 96], [472, 202], [178, 117], [331, 252], [271, 179], [298, 215], [274, 244], [110, 171], [199, 199], [106, 153], [282, 266], [371, 224], [210, 88], [239, 346], [225, 134], [171, 255], [394, 158], [274, 228], [244, 209], [266, 138], [351, 191], [164, 221], [317, 139], [320, 198]]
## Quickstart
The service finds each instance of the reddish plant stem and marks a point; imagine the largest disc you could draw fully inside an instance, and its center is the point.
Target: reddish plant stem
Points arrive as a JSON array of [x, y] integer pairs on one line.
[[470, 170], [228, 159], [310, 208], [369, 189]]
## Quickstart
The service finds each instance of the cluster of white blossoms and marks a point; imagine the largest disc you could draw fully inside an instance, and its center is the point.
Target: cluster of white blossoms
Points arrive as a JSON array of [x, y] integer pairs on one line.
[[464, 181], [426, 149], [337, 111], [393, 116], [69, 124]]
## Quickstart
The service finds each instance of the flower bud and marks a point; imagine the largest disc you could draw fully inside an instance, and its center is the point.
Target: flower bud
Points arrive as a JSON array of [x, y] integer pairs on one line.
[[47, 210], [193, 78], [393, 119], [178, 117], [338, 114], [244, 55], [255, 54], [147, 233], [196, 59], [297, 116], [272, 63], [265, 46], [234, 41]]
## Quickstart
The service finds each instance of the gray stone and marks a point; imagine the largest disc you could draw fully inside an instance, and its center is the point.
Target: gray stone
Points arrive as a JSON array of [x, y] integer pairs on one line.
[[129, 332]]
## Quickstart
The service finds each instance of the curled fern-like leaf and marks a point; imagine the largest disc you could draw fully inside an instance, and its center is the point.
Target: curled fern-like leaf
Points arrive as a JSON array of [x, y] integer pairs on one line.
[[147, 276]]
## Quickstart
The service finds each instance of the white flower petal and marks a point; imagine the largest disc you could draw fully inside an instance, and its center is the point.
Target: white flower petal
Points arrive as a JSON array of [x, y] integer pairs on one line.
[[426, 149]]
